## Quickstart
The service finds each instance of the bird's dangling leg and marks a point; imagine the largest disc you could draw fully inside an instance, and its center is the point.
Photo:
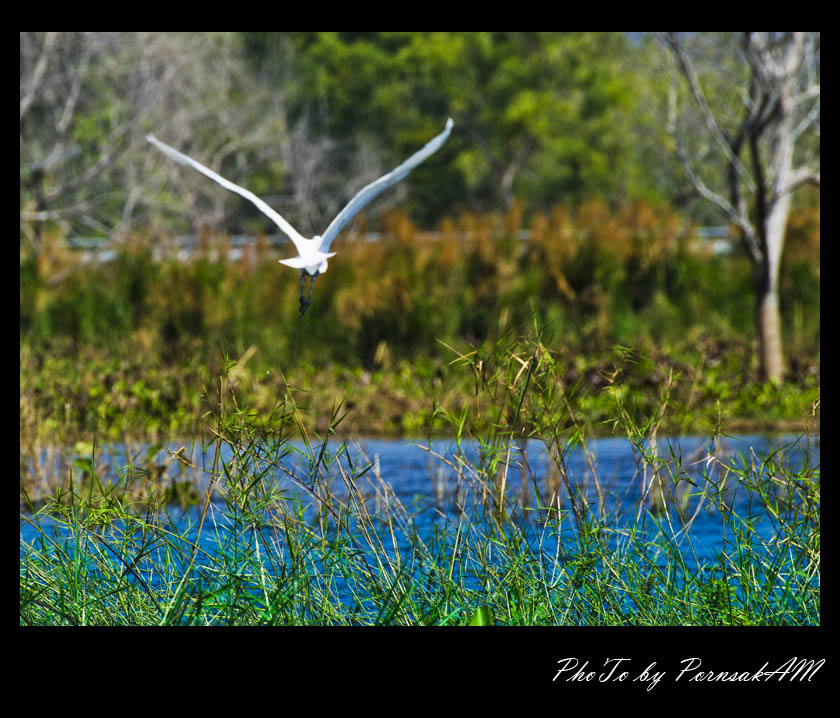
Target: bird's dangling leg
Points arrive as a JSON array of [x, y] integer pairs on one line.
[[305, 303], [302, 286]]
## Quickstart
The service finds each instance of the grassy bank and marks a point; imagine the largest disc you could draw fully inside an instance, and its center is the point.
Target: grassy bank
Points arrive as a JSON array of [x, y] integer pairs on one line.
[[66, 399]]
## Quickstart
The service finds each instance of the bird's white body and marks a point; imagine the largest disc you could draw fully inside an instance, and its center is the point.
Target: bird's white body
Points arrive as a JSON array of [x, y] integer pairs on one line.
[[310, 258], [313, 253]]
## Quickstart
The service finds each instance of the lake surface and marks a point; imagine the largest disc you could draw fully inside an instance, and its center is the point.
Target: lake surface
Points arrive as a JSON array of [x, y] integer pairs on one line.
[[438, 482]]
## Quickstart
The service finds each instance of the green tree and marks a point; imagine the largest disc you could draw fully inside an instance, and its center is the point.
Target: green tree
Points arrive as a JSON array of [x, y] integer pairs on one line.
[[543, 117]]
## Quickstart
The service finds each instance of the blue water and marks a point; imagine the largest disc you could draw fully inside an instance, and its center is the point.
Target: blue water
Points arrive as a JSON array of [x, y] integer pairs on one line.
[[438, 485]]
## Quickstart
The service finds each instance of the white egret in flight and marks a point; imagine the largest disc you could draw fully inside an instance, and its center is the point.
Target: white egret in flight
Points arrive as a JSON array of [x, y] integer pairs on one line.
[[313, 253]]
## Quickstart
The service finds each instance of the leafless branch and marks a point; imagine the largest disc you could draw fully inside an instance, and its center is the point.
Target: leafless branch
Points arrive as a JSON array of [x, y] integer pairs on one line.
[[810, 93], [736, 216], [800, 177], [73, 96], [810, 120], [38, 72], [708, 116]]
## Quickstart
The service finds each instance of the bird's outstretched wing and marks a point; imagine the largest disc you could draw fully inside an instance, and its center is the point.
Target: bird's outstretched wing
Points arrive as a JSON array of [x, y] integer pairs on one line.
[[299, 241], [365, 195]]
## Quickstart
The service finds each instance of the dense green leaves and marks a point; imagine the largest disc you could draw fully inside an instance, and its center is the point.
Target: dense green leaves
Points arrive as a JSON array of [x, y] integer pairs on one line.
[[540, 116]]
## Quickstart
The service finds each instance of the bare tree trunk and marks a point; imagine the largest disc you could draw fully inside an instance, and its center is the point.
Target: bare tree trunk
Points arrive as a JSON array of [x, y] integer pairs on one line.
[[769, 318], [770, 332]]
